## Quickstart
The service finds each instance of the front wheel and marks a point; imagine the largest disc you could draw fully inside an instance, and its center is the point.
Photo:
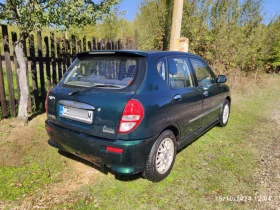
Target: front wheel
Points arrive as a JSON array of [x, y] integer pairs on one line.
[[224, 114], [161, 157]]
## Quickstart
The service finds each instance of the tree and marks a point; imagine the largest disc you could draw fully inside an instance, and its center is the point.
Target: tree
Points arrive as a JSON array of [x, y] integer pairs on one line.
[[33, 15], [154, 22]]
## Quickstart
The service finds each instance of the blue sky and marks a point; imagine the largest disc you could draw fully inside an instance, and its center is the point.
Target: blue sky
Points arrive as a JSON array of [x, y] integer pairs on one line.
[[271, 7]]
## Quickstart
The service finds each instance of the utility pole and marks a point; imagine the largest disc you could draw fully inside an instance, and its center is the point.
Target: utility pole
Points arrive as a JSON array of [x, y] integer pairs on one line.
[[176, 42]]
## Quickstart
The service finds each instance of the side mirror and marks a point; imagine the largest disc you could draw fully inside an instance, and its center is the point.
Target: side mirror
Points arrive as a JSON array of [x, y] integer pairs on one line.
[[221, 79]]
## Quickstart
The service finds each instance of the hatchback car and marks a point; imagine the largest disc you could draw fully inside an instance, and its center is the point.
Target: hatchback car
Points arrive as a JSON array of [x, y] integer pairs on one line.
[[131, 111]]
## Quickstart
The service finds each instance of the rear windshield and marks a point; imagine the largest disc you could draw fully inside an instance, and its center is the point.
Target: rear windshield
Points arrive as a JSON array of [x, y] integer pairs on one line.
[[102, 72]]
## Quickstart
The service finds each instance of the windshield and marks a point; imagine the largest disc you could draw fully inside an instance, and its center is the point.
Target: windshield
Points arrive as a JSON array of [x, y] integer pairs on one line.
[[102, 72]]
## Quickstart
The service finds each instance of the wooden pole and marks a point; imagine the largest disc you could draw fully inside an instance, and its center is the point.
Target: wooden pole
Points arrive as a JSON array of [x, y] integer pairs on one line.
[[176, 24]]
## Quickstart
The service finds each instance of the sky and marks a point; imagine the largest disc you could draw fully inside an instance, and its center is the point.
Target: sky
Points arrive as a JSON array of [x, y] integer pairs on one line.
[[271, 8]]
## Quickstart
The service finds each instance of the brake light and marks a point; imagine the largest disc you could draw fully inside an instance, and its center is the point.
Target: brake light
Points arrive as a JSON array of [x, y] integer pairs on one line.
[[46, 102], [132, 115]]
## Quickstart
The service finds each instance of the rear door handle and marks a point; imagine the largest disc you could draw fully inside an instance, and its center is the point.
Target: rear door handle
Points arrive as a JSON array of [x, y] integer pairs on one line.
[[177, 97], [205, 93]]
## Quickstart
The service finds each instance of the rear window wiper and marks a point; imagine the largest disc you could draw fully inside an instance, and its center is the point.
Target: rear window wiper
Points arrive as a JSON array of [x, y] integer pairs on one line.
[[90, 88]]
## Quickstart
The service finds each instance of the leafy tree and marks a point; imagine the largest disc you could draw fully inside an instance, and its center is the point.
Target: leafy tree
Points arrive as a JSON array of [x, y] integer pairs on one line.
[[154, 23], [33, 15]]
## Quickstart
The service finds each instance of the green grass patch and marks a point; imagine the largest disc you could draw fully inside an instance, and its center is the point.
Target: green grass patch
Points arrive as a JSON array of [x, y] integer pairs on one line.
[[220, 163]]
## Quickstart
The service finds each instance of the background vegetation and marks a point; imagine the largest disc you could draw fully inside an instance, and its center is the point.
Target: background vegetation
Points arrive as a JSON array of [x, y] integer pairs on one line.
[[229, 34]]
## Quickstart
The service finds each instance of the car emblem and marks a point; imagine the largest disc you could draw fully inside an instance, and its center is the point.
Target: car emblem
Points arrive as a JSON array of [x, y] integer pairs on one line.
[[51, 97], [108, 130]]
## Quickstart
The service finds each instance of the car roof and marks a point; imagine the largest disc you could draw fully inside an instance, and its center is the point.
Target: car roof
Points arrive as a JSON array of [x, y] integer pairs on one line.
[[133, 53]]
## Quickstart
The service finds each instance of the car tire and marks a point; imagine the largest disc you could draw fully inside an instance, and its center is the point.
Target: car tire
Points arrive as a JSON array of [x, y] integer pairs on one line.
[[224, 114], [161, 157]]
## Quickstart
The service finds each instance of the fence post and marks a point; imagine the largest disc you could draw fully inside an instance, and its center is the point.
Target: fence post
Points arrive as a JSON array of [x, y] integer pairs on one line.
[[41, 68], [2, 91], [9, 69], [48, 69]]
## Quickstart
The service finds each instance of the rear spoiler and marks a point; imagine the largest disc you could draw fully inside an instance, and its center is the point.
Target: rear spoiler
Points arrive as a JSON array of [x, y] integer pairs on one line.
[[129, 53]]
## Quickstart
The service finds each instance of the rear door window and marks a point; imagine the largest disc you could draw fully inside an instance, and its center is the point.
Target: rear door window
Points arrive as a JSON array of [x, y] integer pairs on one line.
[[179, 73]]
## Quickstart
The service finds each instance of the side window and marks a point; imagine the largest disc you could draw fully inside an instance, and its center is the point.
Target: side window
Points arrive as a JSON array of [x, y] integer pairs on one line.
[[179, 73], [203, 73], [161, 68]]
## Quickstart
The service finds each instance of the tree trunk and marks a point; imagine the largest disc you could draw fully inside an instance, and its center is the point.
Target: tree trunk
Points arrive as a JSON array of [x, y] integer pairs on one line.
[[24, 94]]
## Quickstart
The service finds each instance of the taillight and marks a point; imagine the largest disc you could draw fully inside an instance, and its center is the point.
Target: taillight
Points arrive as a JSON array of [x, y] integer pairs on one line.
[[46, 102], [132, 115]]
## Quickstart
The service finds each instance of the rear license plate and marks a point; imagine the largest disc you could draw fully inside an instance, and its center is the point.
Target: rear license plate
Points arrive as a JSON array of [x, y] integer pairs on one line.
[[72, 113]]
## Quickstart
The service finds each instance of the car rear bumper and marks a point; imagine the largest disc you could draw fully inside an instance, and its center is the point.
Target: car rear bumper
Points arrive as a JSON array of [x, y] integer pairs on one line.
[[132, 160]]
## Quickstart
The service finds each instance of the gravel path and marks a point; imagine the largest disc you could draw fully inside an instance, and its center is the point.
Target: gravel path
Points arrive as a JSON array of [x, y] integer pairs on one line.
[[268, 175]]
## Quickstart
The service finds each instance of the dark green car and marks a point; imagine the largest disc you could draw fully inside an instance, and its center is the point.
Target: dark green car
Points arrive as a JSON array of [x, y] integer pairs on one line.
[[131, 111]]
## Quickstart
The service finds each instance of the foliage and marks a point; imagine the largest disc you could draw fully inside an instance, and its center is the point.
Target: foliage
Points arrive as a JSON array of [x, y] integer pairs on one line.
[[227, 33], [154, 23], [33, 15]]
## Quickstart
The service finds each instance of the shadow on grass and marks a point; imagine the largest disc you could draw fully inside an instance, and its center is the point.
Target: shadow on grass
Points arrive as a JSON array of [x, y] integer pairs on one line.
[[102, 169], [34, 115]]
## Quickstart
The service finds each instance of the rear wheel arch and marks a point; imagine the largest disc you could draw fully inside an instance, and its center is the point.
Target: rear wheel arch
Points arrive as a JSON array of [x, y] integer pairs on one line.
[[175, 131]]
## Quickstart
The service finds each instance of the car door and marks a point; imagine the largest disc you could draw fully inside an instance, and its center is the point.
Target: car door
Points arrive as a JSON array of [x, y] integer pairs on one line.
[[210, 90], [186, 98]]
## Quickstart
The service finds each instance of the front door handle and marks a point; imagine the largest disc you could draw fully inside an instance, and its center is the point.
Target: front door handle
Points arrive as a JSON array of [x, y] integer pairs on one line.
[[205, 93], [177, 97]]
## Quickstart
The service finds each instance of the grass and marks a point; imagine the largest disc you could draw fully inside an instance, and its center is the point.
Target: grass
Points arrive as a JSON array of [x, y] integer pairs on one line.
[[219, 164]]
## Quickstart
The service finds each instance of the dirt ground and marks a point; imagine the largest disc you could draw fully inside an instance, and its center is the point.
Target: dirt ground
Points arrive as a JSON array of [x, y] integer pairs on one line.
[[53, 194], [268, 176]]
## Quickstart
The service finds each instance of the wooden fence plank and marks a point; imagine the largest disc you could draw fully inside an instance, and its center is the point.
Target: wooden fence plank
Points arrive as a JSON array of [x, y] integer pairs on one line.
[[63, 53], [9, 69], [68, 60], [41, 68], [34, 73], [54, 73], [94, 45], [84, 44], [79, 46], [99, 45], [14, 39], [29, 106], [47, 56], [119, 44], [74, 51], [58, 55], [89, 45], [2, 91]]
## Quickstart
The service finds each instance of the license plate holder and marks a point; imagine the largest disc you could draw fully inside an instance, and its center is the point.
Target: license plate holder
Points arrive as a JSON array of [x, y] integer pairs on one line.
[[81, 115]]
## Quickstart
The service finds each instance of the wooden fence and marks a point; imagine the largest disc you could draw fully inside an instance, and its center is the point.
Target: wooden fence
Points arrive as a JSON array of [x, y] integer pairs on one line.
[[46, 67]]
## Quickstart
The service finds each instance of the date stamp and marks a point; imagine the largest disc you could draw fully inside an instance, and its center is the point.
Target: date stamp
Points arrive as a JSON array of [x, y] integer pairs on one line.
[[243, 198]]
